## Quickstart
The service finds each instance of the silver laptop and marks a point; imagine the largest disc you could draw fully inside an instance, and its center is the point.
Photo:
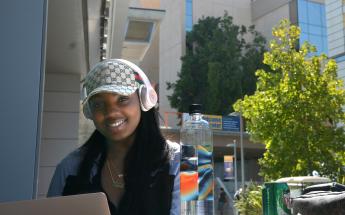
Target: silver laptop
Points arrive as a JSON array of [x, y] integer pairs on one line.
[[84, 204]]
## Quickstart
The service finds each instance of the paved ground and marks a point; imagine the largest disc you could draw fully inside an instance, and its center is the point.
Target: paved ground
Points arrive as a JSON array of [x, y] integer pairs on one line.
[[228, 210]]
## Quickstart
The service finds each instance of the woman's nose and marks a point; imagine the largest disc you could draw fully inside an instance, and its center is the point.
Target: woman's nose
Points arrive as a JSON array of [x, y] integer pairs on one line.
[[111, 110]]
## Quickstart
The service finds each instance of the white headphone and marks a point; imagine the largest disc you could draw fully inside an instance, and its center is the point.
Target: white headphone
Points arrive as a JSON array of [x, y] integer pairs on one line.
[[86, 106], [147, 95]]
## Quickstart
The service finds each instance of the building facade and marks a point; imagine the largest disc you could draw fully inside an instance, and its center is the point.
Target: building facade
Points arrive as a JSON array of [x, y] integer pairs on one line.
[[264, 14], [309, 15], [179, 18], [335, 15]]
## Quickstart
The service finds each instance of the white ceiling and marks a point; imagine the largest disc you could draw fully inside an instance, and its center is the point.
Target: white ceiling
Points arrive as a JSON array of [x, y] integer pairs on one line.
[[70, 50], [65, 37]]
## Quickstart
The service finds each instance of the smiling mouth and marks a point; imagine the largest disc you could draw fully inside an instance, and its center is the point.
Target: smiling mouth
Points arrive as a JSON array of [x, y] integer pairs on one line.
[[116, 124]]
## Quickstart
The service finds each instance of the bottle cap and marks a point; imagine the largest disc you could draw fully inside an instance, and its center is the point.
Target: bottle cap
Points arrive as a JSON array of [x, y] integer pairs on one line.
[[195, 108]]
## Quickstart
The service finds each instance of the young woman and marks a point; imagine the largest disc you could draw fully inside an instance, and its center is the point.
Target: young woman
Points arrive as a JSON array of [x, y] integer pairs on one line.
[[126, 157]]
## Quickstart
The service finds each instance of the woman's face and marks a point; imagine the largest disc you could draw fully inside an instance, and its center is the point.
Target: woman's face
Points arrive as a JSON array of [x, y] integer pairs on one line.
[[116, 116]]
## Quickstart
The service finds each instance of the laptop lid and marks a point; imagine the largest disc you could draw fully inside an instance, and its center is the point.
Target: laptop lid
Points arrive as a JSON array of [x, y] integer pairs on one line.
[[86, 204]]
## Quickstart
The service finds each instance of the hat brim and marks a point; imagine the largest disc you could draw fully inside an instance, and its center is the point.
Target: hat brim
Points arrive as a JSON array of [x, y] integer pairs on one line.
[[121, 90]]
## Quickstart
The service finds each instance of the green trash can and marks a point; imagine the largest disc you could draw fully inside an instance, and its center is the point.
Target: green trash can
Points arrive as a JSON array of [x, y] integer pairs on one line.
[[276, 199]]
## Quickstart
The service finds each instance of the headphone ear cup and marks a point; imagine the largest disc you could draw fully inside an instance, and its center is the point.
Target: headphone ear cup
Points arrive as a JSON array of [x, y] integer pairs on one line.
[[142, 97], [87, 111], [148, 98], [86, 107]]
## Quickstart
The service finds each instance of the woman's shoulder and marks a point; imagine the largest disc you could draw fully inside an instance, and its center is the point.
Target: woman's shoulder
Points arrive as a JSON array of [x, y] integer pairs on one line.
[[69, 165], [175, 154]]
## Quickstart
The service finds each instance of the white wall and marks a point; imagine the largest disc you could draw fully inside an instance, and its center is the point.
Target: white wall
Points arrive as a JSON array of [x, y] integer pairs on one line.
[[150, 62], [266, 21], [263, 7], [335, 27], [341, 69], [60, 123], [66, 60], [171, 46], [335, 20], [152, 4], [240, 10]]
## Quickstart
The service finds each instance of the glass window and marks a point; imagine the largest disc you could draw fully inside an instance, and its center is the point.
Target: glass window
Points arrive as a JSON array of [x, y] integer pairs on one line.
[[317, 30], [304, 27], [325, 45], [302, 11], [316, 41], [314, 15], [189, 7], [323, 15], [189, 15], [303, 37], [189, 23], [312, 21], [324, 32]]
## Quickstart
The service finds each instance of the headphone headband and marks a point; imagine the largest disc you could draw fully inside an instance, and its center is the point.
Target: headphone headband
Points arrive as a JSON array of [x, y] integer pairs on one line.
[[118, 76]]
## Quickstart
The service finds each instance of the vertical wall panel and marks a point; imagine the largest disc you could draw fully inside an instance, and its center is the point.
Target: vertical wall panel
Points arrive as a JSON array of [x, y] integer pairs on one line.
[[335, 27], [22, 73]]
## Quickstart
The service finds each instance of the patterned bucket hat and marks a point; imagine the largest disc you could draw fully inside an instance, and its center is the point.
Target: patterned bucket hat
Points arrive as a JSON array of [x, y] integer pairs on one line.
[[112, 76]]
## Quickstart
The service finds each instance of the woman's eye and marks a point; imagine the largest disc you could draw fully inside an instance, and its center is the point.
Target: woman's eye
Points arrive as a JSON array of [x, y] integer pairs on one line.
[[123, 99], [96, 106]]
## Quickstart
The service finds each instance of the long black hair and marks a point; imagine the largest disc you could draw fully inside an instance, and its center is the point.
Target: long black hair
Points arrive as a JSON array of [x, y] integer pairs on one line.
[[148, 153]]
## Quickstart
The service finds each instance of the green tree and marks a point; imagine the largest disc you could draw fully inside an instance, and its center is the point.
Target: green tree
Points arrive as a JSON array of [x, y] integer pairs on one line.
[[297, 110], [219, 65]]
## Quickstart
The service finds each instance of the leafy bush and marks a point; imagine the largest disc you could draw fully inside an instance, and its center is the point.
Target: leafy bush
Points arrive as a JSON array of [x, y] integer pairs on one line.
[[250, 201]]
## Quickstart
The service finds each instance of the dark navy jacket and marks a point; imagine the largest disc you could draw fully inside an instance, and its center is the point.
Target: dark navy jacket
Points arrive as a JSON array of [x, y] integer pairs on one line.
[[64, 182]]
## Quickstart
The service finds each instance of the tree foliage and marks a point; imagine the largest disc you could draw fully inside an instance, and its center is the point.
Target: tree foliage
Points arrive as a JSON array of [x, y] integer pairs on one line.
[[297, 110], [219, 65]]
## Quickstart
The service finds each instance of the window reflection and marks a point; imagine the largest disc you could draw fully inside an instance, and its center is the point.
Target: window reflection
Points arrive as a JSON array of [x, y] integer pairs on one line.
[[302, 10], [189, 15], [316, 30], [312, 21], [314, 13]]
